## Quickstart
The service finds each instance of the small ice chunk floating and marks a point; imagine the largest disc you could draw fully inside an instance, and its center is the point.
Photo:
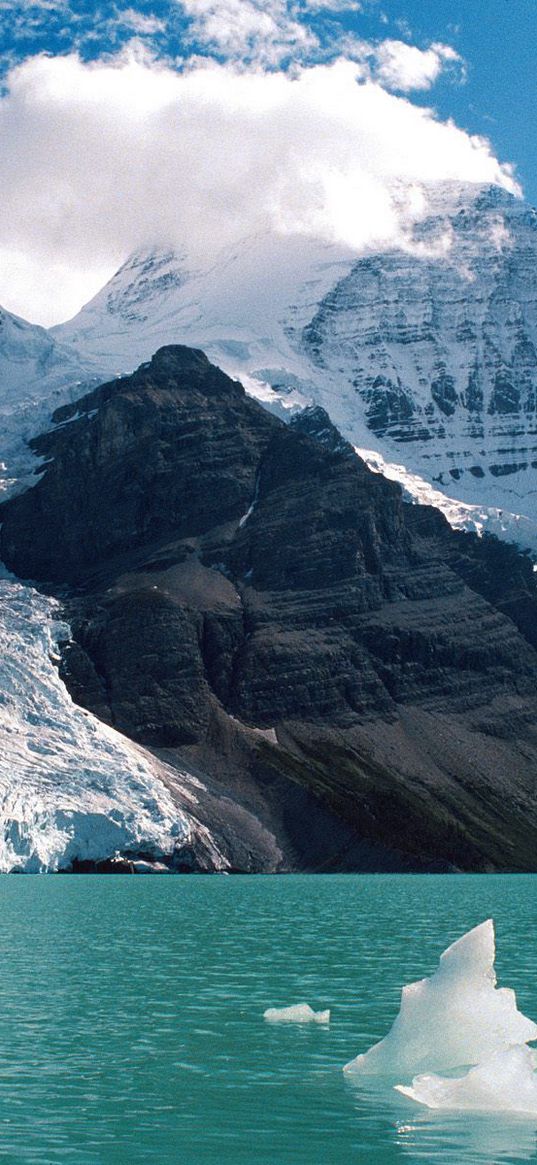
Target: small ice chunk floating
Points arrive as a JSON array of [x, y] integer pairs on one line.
[[505, 1082], [298, 1013], [456, 1019]]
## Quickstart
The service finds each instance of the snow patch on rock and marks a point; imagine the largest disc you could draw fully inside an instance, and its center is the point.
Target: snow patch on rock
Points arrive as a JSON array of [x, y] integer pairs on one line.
[[475, 517]]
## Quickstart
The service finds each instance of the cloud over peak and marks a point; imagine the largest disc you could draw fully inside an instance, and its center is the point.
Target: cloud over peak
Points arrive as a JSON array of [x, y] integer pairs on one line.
[[101, 158]]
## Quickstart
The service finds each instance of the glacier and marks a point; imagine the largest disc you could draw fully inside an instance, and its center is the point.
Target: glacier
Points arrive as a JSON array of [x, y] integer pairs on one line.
[[70, 786], [297, 1013], [455, 1018], [503, 1082]]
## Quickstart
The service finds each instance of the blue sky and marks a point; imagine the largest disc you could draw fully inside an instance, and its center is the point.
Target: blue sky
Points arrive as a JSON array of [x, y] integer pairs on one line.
[[498, 41], [116, 130], [496, 38]]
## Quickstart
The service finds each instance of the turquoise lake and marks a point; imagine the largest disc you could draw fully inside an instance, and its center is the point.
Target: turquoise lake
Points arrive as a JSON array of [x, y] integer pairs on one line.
[[132, 1031]]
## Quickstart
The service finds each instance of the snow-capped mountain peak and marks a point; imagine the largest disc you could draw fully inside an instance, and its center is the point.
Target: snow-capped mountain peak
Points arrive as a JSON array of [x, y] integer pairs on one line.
[[146, 278], [424, 354]]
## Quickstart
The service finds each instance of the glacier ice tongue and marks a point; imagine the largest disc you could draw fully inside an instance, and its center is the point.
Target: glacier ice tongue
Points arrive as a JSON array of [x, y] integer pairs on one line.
[[456, 1018], [70, 787], [297, 1013], [504, 1082]]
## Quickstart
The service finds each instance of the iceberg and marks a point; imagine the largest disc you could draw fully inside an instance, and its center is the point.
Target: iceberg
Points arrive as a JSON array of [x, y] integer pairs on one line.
[[505, 1082], [457, 1018], [298, 1013]]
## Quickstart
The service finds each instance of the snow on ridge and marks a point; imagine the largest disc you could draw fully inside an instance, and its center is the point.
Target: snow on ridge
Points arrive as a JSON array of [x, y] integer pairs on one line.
[[37, 374], [239, 308], [461, 515], [70, 786]]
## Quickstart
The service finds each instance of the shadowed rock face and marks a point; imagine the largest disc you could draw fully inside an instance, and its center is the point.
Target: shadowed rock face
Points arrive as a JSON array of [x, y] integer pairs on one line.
[[354, 683], [170, 451]]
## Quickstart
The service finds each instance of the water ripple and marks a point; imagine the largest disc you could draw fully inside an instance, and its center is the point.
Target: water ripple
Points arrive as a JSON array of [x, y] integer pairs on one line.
[[131, 1025]]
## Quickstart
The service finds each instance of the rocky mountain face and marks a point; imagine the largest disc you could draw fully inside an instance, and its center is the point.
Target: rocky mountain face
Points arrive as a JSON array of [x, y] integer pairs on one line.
[[126, 484], [301, 615], [440, 348], [350, 683]]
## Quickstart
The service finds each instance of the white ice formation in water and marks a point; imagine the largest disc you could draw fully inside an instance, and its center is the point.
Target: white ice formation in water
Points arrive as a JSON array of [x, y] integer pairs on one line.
[[456, 1018], [504, 1082], [298, 1013]]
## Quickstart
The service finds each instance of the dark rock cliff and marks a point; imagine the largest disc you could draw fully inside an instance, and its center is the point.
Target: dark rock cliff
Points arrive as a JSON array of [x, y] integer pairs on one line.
[[353, 682], [170, 451]]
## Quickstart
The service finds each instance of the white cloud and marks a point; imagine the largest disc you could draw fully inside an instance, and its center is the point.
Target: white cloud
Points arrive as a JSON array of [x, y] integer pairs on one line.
[[265, 31], [404, 67], [37, 284], [141, 24], [332, 6], [262, 30], [24, 5], [98, 159]]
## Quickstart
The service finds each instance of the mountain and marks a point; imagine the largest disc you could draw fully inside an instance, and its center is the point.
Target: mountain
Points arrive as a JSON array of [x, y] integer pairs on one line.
[[441, 350], [72, 789], [337, 678], [425, 357]]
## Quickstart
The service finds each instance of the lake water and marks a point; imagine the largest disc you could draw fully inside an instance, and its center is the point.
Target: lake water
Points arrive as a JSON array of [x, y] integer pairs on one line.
[[131, 1026]]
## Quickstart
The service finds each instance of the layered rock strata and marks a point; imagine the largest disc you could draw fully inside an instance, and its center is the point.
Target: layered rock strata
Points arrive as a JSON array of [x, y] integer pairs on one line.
[[353, 683]]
